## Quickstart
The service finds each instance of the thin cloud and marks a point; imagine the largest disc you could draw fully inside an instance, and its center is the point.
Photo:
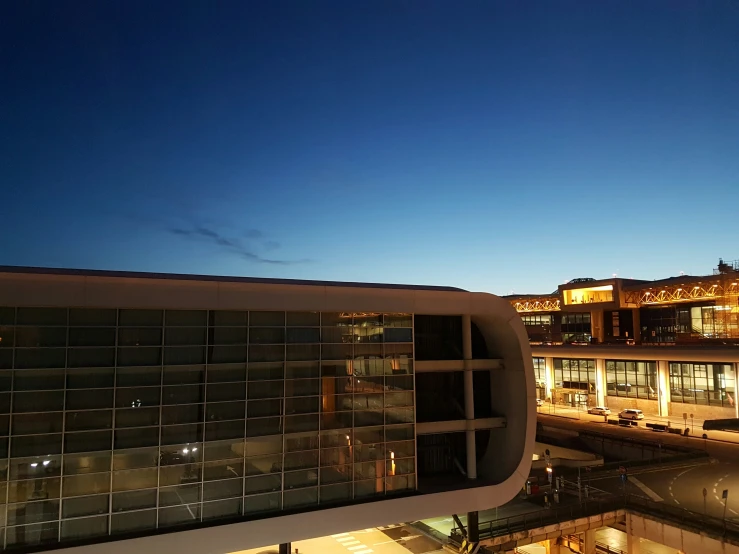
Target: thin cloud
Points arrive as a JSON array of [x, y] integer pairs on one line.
[[233, 245]]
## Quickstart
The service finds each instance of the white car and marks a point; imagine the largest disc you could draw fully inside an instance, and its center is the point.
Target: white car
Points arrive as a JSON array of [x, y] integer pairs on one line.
[[631, 414], [599, 410]]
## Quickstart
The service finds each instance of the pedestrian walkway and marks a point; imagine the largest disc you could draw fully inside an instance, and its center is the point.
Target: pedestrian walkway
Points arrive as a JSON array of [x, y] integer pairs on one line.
[[694, 425]]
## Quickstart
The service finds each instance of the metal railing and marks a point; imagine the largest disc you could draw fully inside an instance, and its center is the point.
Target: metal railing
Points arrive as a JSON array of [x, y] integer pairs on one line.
[[685, 519]]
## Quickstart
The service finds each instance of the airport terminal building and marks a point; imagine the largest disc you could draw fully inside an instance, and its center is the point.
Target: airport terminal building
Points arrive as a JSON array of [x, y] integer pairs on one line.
[[668, 347], [167, 413]]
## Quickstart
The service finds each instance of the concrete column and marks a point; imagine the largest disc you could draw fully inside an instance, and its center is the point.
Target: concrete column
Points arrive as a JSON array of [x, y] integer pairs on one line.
[[473, 527], [549, 377], [633, 544], [596, 325], [469, 397], [589, 542], [600, 381], [636, 317], [663, 392]]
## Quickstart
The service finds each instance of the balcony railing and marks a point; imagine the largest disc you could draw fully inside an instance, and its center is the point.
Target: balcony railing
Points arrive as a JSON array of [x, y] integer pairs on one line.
[[680, 517]]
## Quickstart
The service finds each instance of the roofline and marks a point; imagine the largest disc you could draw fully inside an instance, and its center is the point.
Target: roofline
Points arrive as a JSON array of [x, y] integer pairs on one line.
[[212, 278]]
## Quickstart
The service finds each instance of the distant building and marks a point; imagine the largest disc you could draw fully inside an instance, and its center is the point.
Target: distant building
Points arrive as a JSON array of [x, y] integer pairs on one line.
[[666, 347], [246, 412]]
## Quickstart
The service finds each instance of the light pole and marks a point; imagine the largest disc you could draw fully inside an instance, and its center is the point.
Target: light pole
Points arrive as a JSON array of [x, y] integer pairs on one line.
[[725, 497]]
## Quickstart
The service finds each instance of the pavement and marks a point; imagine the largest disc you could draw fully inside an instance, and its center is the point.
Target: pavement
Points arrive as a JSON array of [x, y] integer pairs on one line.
[[392, 539]]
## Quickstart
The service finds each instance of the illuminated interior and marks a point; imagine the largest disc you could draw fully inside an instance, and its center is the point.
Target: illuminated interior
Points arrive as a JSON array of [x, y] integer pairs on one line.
[[589, 295]]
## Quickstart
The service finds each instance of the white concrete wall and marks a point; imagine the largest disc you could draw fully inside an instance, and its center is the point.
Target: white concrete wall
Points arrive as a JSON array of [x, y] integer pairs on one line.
[[687, 542]]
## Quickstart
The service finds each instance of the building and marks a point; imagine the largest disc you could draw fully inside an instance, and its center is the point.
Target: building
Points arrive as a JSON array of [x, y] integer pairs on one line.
[[667, 347], [243, 412]]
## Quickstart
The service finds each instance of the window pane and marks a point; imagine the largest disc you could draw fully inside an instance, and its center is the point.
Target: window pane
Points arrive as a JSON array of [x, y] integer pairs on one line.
[[42, 316], [138, 376], [75, 464], [186, 318], [91, 336], [97, 378], [223, 489], [87, 442], [96, 317], [89, 420], [133, 521], [83, 485], [33, 424], [134, 500], [143, 318], [85, 506], [136, 417]]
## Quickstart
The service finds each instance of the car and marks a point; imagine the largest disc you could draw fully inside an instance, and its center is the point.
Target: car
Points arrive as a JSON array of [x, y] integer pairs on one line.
[[539, 402], [630, 413], [599, 410]]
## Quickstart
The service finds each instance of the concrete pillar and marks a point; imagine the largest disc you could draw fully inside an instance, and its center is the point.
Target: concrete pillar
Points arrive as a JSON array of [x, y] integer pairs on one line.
[[663, 391], [549, 377], [469, 398], [596, 325], [633, 544], [636, 318], [473, 527], [589, 542], [600, 381]]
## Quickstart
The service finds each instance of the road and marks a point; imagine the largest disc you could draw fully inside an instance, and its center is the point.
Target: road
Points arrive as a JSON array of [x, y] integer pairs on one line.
[[682, 487], [393, 539]]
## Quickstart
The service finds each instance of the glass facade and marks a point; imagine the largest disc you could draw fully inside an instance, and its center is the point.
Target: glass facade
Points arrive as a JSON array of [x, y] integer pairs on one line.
[[119, 420], [540, 372], [575, 374], [693, 383], [576, 328], [631, 379]]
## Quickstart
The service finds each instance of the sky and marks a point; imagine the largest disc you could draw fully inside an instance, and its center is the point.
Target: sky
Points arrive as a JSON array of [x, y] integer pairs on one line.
[[489, 145]]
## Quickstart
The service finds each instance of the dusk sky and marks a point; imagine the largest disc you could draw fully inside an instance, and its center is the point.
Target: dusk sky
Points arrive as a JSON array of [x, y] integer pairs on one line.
[[495, 146]]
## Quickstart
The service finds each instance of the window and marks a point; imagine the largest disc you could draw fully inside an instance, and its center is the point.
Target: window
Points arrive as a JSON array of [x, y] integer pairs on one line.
[[632, 379], [575, 374], [708, 384]]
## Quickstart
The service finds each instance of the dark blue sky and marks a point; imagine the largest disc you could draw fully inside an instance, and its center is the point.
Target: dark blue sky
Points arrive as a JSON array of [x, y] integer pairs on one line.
[[498, 146]]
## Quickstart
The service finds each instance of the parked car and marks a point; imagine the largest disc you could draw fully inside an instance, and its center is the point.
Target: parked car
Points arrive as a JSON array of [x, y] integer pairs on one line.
[[599, 410], [539, 402], [631, 414]]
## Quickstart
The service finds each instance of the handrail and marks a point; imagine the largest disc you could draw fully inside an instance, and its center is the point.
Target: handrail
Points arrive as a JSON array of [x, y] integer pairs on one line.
[[559, 514]]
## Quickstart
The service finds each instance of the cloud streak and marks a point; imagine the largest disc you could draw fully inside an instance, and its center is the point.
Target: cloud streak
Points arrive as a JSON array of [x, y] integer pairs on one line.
[[233, 245]]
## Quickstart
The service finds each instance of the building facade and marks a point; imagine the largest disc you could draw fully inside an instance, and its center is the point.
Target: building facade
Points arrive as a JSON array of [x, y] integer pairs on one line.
[[667, 347], [244, 412]]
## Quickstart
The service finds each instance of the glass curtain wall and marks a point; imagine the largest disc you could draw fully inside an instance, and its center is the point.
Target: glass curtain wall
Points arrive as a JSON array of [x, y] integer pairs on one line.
[[575, 374], [711, 384], [631, 379], [117, 421], [540, 371], [576, 328]]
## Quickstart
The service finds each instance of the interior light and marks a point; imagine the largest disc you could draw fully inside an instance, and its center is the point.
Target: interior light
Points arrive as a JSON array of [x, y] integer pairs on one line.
[[195, 449], [47, 462], [34, 464], [185, 451]]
